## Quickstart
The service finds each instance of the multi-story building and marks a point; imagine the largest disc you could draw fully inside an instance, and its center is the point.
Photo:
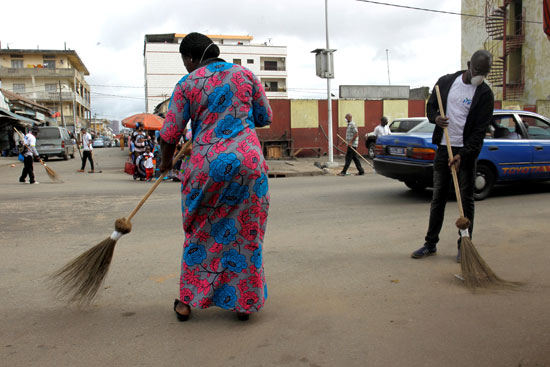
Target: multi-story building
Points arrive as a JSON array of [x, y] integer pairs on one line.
[[52, 78], [164, 66], [512, 31]]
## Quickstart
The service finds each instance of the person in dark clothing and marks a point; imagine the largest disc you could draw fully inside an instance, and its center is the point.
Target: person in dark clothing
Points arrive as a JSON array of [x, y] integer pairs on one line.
[[468, 104]]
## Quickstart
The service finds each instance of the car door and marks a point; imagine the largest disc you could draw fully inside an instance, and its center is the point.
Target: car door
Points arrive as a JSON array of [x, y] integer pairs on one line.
[[509, 151], [538, 133]]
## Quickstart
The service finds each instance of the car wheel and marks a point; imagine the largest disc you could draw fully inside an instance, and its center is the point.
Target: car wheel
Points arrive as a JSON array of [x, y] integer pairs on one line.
[[485, 179], [46, 158], [66, 156], [416, 185], [370, 147]]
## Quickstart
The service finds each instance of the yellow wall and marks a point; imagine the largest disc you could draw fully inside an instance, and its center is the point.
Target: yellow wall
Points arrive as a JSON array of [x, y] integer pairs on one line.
[[395, 108], [304, 113], [543, 107], [355, 107], [512, 105]]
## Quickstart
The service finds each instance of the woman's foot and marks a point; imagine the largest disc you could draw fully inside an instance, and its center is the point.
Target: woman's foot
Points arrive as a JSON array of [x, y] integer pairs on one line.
[[182, 310], [243, 316]]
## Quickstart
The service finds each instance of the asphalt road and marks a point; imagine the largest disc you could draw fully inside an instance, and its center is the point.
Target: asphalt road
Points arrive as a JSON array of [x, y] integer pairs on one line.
[[343, 290]]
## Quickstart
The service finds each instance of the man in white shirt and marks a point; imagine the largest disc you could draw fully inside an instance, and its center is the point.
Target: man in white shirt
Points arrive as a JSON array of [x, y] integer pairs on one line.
[[383, 128], [468, 103], [29, 152], [86, 150]]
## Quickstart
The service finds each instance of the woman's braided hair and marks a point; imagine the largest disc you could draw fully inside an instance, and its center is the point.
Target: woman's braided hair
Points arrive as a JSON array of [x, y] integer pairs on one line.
[[195, 44]]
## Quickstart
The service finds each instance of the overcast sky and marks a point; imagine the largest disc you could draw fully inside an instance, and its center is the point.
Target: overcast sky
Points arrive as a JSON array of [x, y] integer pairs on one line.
[[109, 35]]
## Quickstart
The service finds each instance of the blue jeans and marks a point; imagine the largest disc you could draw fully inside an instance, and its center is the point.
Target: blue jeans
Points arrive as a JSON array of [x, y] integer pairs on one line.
[[443, 178]]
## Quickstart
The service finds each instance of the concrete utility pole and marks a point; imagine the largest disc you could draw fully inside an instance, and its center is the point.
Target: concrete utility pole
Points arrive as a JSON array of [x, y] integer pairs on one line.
[[329, 98], [61, 106]]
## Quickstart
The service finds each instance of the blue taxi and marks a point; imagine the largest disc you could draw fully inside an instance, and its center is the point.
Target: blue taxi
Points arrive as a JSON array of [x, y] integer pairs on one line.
[[516, 148]]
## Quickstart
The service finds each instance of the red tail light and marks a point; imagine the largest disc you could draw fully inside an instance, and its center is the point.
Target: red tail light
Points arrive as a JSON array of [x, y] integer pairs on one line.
[[62, 144], [378, 150], [426, 154]]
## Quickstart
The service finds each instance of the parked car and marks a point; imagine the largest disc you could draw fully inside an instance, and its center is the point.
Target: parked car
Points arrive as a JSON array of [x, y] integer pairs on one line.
[[107, 141], [98, 143], [55, 141], [397, 126], [516, 148]]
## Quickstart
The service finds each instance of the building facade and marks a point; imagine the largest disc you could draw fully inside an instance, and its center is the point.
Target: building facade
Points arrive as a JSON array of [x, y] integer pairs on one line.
[[52, 78], [164, 67], [512, 31]]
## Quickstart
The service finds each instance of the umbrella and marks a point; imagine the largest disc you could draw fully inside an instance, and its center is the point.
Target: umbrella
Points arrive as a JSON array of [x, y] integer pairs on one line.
[[149, 121]]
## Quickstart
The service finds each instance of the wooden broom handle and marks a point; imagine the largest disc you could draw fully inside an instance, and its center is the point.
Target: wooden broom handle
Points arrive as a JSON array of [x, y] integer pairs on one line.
[[352, 148], [450, 153], [158, 181]]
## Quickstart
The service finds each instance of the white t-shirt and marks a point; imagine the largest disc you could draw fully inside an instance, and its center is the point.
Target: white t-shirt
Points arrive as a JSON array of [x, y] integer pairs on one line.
[[382, 130], [87, 142], [148, 157], [458, 106], [30, 141]]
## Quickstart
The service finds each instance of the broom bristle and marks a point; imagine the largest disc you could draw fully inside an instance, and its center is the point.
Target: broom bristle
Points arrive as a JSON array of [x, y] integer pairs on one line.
[[82, 277], [475, 271], [51, 173]]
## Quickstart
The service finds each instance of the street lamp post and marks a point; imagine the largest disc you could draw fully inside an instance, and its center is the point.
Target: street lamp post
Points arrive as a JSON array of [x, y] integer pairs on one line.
[[325, 69]]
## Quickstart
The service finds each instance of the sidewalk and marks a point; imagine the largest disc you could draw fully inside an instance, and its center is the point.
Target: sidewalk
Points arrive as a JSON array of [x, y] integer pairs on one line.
[[310, 167]]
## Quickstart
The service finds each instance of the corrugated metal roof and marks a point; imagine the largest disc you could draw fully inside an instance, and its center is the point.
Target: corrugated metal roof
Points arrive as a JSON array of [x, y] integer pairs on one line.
[[16, 97]]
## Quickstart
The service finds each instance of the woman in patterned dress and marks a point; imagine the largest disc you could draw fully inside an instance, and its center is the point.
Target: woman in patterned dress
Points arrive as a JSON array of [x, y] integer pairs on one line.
[[224, 189]]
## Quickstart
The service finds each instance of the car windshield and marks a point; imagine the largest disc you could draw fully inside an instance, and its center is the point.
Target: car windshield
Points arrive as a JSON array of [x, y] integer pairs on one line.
[[46, 133], [423, 127], [403, 126]]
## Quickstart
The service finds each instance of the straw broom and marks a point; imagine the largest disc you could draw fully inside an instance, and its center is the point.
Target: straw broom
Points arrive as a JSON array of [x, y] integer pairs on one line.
[[355, 150], [475, 271], [81, 278], [51, 173]]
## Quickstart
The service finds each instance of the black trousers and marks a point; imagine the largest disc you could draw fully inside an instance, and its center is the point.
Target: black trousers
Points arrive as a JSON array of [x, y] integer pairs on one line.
[[351, 155], [442, 180], [28, 169], [86, 154]]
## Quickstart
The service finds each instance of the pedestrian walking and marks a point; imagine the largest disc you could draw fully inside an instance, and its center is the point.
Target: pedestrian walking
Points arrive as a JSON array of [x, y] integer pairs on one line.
[[225, 196], [352, 140], [468, 102], [29, 154], [86, 140]]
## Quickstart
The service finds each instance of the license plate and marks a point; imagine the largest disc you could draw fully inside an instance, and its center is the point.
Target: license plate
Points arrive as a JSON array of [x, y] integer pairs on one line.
[[47, 146], [397, 151]]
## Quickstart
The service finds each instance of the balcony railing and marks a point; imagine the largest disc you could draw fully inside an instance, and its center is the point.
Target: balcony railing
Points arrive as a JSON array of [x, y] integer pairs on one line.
[[38, 72], [271, 68], [54, 97]]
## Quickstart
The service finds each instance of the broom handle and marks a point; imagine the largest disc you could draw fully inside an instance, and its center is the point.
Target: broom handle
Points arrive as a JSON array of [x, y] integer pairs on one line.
[[450, 153], [352, 148], [23, 141], [157, 182]]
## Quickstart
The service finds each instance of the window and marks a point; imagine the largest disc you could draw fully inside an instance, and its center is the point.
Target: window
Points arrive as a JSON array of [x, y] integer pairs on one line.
[[52, 88], [250, 61], [536, 128], [237, 61], [49, 64], [273, 86], [270, 65], [19, 88], [17, 64], [504, 127]]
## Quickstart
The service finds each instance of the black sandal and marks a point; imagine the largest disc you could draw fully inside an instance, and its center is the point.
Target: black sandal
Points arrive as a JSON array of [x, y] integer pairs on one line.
[[243, 316], [181, 317]]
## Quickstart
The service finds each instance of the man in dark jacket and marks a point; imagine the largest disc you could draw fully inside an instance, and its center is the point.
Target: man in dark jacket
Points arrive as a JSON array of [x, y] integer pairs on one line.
[[468, 104]]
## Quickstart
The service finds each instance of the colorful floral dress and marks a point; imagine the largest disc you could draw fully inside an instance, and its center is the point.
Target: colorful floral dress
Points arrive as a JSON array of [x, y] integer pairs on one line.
[[225, 197]]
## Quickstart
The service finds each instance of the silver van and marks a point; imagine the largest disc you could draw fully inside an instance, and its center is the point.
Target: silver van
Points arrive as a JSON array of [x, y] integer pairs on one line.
[[55, 141]]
